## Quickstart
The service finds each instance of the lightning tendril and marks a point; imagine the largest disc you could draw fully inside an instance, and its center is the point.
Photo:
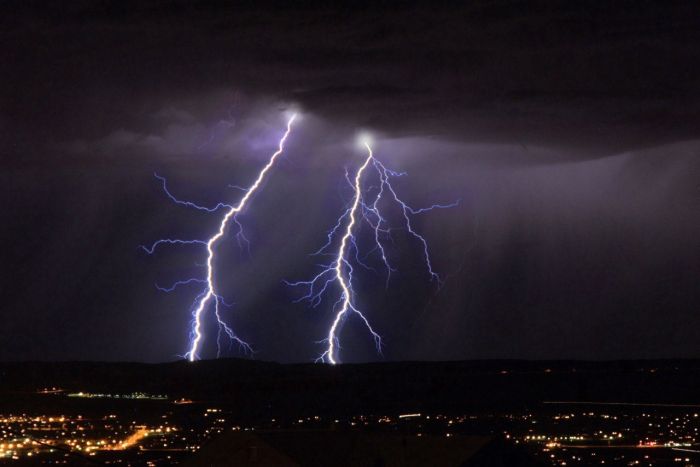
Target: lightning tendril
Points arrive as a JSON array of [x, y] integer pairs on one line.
[[209, 296], [340, 270]]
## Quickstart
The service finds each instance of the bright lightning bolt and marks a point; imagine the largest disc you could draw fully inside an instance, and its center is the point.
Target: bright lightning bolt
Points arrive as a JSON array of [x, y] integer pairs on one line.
[[340, 271], [209, 295]]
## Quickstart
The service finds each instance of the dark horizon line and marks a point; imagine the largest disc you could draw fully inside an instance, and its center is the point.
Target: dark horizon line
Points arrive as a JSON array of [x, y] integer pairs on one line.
[[378, 363]]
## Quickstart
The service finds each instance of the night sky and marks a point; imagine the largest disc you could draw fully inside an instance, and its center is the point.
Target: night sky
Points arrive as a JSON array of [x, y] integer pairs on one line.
[[569, 131]]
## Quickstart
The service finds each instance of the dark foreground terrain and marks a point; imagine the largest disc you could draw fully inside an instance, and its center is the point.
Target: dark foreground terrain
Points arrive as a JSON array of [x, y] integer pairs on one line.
[[260, 389], [412, 413]]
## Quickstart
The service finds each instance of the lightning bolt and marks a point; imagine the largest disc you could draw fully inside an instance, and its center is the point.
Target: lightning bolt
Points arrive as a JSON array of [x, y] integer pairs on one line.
[[209, 296], [340, 270]]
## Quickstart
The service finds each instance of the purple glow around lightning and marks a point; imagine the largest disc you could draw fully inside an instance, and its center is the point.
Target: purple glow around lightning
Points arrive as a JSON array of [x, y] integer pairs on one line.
[[209, 295], [340, 271]]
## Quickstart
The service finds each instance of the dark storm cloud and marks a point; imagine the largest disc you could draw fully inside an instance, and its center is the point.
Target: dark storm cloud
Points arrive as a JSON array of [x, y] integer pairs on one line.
[[567, 131], [198, 127], [600, 77]]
